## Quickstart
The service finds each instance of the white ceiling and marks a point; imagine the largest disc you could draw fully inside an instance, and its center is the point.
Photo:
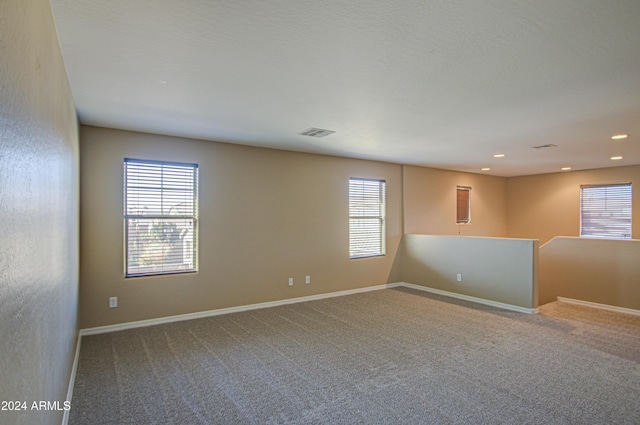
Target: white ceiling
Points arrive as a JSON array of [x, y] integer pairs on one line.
[[440, 83]]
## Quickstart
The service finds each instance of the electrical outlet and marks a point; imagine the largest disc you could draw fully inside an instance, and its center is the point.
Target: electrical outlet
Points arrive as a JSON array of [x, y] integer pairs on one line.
[[307, 279], [290, 281], [459, 277], [113, 302]]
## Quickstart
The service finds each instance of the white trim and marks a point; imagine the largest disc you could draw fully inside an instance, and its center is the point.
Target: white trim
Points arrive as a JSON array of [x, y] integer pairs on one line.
[[600, 306], [217, 312], [237, 309], [497, 304], [72, 379]]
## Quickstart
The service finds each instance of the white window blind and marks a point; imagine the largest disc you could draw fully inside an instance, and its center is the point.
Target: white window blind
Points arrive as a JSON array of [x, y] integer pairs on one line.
[[161, 217], [605, 211], [366, 218]]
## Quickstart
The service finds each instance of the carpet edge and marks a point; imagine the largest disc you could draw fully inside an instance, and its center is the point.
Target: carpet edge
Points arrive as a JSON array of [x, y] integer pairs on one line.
[[237, 309]]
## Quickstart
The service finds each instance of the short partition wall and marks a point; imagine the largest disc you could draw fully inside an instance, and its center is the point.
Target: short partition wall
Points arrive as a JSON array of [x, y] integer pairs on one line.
[[601, 271], [498, 270]]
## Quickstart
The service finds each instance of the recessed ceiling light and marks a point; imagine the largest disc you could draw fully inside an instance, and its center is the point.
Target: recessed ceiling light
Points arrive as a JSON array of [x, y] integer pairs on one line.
[[485, 169], [619, 136], [565, 168], [499, 155], [616, 158]]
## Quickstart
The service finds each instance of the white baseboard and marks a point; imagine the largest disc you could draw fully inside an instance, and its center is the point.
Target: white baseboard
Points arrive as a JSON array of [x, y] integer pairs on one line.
[[600, 306], [72, 379], [217, 312], [496, 304], [237, 309]]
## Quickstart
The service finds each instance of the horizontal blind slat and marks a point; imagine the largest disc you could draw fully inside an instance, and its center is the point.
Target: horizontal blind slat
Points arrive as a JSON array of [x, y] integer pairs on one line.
[[366, 217], [160, 216], [605, 211]]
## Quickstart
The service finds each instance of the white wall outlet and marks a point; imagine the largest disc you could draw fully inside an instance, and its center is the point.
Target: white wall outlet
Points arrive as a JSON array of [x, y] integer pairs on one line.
[[307, 279], [113, 302], [290, 281], [459, 277]]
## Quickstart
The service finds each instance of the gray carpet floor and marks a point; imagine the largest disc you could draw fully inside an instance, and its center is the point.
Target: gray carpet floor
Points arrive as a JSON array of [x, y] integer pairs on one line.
[[394, 356]]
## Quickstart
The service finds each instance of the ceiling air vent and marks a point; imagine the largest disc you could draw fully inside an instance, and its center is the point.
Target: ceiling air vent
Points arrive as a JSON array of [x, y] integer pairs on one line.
[[549, 145], [316, 132]]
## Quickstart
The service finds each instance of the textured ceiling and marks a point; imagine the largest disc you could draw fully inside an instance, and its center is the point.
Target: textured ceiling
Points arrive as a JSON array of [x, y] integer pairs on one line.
[[441, 83]]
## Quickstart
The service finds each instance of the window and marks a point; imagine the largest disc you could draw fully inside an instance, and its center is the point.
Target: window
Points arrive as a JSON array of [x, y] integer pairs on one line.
[[161, 217], [463, 205], [366, 218], [605, 211]]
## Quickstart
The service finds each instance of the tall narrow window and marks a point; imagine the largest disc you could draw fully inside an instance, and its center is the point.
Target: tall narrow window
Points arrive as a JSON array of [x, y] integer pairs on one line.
[[605, 211], [463, 205], [366, 218], [161, 217]]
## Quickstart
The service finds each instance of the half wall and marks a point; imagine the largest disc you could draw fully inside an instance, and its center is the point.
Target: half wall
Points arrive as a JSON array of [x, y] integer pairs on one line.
[[494, 269], [602, 271]]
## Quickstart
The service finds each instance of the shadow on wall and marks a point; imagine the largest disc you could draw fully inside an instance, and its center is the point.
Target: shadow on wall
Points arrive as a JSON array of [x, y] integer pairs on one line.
[[495, 269], [602, 271]]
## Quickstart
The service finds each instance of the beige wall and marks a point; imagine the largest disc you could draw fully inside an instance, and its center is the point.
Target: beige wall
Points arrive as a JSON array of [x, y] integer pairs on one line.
[[548, 205], [430, 203], [531, 207], [495, 269], [595, 270], [265, 215], [38, 213]]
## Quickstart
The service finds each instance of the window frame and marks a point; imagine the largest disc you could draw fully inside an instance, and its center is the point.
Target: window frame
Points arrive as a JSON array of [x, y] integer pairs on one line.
[[359, 246], [465, 217], [612, 217], [187, 220]]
